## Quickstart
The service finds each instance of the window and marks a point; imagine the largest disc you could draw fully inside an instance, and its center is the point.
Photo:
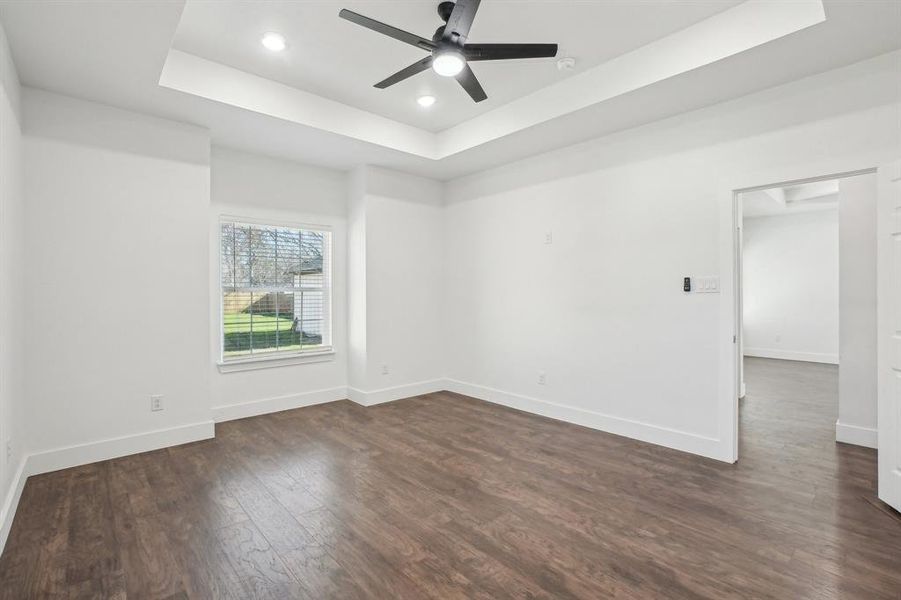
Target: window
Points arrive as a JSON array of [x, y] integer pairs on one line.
[[276, 296]]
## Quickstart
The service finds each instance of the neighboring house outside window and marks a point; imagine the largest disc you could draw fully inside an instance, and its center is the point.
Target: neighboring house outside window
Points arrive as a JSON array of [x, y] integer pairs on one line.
[[276, 290]]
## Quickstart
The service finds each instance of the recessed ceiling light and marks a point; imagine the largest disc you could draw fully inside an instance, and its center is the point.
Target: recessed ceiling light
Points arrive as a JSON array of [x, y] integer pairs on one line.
[[448, 63], [274, 41], [426, 101]]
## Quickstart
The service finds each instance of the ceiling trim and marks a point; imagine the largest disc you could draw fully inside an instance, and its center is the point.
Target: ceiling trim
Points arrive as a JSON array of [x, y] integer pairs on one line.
[[191, 74]]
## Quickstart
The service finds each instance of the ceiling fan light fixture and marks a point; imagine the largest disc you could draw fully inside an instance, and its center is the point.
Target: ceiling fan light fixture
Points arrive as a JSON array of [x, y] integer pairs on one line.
[[448, 63], [274, 42], [426, 101], [449, 49]]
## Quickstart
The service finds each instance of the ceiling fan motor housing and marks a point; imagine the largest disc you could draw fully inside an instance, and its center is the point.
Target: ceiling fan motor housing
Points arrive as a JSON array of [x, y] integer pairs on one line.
[[445, 9]]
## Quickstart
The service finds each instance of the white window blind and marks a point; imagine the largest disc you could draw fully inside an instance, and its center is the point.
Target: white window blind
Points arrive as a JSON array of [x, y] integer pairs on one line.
[[276, 290]]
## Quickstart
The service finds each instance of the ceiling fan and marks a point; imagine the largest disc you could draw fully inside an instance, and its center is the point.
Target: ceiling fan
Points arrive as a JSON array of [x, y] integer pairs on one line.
[[449, 53]]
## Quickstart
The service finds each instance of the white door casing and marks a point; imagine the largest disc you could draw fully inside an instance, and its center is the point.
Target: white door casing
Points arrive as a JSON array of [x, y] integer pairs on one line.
[[889, 332]]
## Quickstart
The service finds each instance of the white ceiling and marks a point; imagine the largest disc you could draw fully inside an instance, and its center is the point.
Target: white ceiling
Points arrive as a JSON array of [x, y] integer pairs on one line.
[[336, 59], [805, 197], [113, 52], [727, 33]]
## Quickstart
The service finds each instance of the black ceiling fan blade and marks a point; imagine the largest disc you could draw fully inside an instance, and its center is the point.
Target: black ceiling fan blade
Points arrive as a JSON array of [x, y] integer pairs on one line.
[[460, 21], [394, 32], [508, 51], [471, 84], [417, 67]]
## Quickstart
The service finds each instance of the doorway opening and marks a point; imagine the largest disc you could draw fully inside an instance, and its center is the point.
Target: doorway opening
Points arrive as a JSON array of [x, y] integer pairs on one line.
[[807, 320]]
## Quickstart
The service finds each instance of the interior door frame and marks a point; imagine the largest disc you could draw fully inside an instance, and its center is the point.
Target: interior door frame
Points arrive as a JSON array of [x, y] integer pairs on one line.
[[889, 349], [730, 359]]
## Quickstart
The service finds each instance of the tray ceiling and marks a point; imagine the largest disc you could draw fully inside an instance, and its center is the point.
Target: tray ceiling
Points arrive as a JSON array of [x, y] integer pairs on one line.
[[335, 59]]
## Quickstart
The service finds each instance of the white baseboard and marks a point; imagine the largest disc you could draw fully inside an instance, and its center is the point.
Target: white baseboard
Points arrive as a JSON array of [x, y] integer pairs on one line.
[[277, 404], [82, 454], [854, 434], [390, 394], [645, 432], [816, 357], [356, 395], [11, 502]]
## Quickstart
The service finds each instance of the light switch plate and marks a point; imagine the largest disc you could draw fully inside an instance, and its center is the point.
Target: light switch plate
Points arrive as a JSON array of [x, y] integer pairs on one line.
[[705, 285]]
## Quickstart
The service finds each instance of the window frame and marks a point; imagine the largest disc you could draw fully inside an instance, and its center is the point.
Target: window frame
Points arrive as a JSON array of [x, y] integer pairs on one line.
[[276, 358]]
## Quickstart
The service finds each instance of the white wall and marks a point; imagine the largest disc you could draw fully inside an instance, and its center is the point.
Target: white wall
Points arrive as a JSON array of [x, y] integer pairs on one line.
[[356, 280], [601, 310], [256, 187], [396, 256], [386, 289], [12, 296], [117, 242], [386, 281], [791, 300], [857, 376], [115, 199]]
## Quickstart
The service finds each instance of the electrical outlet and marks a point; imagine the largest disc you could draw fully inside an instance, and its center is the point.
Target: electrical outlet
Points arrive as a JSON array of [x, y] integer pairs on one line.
[[542, 378], [156, 402], [549, 237], [385, 370], [9, 450]]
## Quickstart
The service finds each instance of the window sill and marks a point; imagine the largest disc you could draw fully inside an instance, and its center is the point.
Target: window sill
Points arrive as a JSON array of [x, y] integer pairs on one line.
[[270, 362]]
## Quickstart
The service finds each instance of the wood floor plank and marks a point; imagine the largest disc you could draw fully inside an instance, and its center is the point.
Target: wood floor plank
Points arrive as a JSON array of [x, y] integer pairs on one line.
[[144, 550], [203, 471], [373, 573], [261, 573], [443, 496], [42, 530], [94, 568]]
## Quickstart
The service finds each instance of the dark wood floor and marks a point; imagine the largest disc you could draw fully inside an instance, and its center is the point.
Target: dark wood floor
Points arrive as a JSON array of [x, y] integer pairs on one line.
[[443, 496]]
